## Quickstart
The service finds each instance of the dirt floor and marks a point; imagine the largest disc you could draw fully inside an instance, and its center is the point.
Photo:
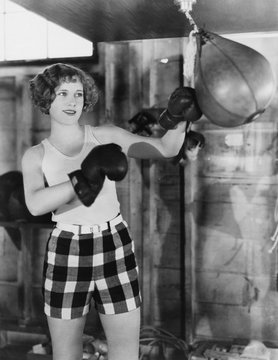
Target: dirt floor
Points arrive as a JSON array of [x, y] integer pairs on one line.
[[14, 352]]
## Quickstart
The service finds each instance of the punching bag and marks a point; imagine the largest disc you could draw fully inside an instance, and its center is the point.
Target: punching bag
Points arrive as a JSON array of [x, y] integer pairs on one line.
[[234, 83]]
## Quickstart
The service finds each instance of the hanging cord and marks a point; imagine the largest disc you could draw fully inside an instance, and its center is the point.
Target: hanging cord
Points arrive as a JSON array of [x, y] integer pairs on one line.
[[274, 237], [190, 58], [191, 48]]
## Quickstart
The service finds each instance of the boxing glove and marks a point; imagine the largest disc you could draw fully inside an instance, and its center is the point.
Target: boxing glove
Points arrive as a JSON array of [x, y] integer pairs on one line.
[[182, 106], [194, 139], [103, 160], [87, 189], [191, 141], [109, 159]]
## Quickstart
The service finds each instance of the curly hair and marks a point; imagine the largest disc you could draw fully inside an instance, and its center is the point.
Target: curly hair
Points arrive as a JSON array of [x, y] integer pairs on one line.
[[42, 86]]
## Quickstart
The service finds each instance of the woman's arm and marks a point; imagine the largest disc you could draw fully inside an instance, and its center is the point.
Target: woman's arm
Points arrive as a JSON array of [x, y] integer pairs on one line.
[[40, 199], [142, 147]]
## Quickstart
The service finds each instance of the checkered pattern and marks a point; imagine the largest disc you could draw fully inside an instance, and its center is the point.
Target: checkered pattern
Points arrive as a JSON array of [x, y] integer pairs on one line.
[[99, 266]]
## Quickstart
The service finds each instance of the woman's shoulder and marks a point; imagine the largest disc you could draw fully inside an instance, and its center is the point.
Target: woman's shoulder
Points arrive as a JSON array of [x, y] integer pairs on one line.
[[34, 154]]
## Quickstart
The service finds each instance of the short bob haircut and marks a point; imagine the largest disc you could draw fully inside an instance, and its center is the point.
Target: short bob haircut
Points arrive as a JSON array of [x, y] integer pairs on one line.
[[43, 85]]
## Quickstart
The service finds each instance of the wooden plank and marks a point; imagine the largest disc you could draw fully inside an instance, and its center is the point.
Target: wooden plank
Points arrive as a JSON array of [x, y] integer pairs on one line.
[[7, 115], [147, 239], [7, 86], [8, 296], [135, 90], [26, 272]]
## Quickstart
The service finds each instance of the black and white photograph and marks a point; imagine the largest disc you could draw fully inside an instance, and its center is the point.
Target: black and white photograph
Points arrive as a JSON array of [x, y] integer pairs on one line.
[[138, 180]]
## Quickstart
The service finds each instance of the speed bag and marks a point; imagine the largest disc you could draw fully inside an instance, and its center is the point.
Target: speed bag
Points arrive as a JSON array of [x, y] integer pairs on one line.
[[234, 84]]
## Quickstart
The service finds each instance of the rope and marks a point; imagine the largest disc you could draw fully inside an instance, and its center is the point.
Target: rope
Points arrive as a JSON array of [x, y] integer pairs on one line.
[[191, 48], [190, 57]]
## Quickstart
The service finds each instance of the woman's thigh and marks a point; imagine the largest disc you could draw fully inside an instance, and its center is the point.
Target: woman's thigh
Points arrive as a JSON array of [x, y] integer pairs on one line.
[[66, 338], [122, 333]]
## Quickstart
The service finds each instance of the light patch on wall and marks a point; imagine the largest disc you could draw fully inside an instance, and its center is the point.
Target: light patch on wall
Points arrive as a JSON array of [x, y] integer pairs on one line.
[[28, 36], [234, 140]]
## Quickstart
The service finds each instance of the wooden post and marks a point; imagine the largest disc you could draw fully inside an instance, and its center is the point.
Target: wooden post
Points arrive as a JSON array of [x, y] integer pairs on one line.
[[26, 249]]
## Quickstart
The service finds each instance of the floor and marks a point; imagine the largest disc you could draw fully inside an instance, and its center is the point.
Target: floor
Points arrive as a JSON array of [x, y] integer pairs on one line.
[[14, 352]]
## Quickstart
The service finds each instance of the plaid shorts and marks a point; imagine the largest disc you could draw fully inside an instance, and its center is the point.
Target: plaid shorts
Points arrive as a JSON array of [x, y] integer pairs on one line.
[[96, 263]]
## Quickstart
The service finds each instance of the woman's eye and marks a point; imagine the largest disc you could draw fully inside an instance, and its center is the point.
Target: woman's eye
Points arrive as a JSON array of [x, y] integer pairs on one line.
[[79, 95], [62, 93]]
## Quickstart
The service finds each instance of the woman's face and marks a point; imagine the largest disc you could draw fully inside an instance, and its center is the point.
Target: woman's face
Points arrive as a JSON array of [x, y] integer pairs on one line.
[[67, 106]]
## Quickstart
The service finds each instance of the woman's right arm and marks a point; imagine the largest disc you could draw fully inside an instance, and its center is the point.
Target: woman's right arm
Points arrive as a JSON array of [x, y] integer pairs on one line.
[[40, 199]]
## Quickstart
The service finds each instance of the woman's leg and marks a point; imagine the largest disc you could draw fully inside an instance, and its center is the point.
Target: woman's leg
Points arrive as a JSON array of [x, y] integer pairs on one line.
[[122, 334], [66, 338]]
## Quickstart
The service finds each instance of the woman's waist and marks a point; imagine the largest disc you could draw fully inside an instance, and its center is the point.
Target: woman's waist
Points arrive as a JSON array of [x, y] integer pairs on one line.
[[82, 215], [93, 227]]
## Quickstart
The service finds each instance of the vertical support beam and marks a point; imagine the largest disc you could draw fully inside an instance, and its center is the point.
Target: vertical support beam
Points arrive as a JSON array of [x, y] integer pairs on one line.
[[24, 118], [26, 232], [148, 289], [135, 74], [190, 235]]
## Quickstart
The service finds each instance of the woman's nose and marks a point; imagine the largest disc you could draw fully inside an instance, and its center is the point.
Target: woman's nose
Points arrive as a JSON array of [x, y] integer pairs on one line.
[[72, 101]]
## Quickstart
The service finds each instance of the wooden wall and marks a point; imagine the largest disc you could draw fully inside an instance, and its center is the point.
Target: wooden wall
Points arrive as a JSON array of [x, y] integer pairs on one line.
[[137, 79], [230, 192], [235, 190]]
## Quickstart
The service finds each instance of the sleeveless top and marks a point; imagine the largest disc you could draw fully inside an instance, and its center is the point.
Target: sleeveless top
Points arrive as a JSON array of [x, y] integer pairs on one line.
[[56, 166]]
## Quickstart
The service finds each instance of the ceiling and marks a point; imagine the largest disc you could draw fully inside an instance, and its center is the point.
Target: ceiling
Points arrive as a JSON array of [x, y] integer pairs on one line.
[[115, 20]]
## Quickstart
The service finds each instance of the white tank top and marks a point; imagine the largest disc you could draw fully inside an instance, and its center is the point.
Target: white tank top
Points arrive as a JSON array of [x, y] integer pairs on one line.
[[56, 166]]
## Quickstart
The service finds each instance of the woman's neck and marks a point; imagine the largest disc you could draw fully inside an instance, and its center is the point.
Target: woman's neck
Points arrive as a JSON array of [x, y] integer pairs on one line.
[[68, 139], [64, 134]]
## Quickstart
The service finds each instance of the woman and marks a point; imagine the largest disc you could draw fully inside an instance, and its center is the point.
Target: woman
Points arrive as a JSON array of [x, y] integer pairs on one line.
[[89, 254]]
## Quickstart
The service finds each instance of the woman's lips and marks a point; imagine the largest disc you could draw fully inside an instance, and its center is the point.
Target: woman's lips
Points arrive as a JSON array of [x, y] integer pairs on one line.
[[69, 112]]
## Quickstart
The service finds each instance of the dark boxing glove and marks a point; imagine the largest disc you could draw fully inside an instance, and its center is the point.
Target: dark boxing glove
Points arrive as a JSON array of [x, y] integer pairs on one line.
[[109, 159], [87, 189], [104, 160], [194, 139], [182, 106]]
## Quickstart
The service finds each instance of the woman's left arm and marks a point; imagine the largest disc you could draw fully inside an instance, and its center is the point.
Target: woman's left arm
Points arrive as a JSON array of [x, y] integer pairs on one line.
[[143, 147]]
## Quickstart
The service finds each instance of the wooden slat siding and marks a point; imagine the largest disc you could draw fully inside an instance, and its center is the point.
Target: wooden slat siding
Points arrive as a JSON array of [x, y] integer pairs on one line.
[[9, 265], [144, 205], [136, 90], [26, 254], [8, 123], [8, 296], [24, 120], [168, 317], [188, 173], [123, 89], [8, 155], [235, 200], [164, 78], [19, 90], [190, 238], [8, 258]]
